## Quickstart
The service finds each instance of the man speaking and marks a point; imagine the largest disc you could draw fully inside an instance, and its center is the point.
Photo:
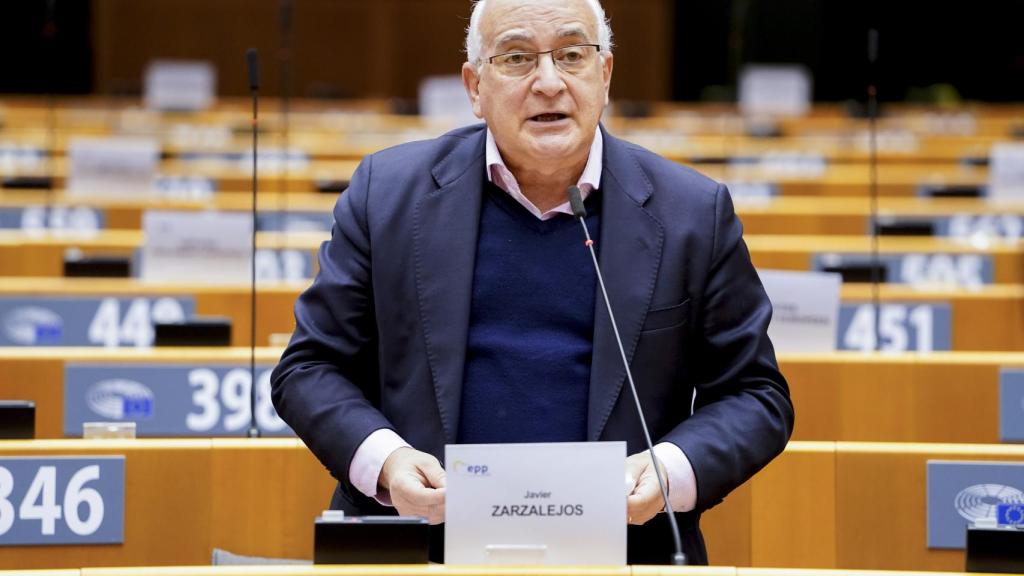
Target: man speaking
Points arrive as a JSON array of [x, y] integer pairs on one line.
[[457, 303]]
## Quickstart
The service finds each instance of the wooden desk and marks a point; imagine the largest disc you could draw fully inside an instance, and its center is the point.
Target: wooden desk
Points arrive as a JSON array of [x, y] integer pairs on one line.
[[795, 252], [24, 254], [938, 397], [804, 215], [43, 254], [819, 505], [184, 497], [850, 216], [842, 396], [999, 308], [274, 303]]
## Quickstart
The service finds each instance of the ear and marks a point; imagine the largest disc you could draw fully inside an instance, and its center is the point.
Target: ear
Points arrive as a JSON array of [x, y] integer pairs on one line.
[[471, 80], [606, 71]]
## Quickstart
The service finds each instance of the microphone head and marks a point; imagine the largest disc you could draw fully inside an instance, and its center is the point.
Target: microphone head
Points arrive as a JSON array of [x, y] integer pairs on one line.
[[253, 58], [872, 45], [576, 202]]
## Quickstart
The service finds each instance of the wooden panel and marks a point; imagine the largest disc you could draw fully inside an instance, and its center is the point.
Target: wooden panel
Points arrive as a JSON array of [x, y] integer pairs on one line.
[[352, 48], [951, 397], [727, 527], [168, 498], [793, 509], [37, 374], [880, 503], [289, 484]]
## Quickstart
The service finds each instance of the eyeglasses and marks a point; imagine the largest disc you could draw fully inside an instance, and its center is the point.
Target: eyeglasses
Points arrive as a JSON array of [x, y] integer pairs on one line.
[[572, 59]]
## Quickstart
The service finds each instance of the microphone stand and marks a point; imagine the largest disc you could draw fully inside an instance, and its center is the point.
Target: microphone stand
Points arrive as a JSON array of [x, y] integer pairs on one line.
[[252, 57], [580, 212]]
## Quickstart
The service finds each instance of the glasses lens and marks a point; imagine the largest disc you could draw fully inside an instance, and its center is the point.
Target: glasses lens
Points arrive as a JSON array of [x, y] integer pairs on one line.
[[573, 58], [516, 63]]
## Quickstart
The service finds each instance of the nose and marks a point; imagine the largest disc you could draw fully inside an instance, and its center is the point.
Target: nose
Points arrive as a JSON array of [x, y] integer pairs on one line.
[[548, 80]]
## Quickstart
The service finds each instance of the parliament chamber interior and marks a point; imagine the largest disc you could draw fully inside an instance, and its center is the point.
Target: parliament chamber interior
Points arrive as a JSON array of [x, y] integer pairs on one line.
[[174, 174]]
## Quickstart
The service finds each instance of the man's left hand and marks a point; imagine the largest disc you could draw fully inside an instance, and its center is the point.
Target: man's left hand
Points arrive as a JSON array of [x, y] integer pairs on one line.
[[644, 500]]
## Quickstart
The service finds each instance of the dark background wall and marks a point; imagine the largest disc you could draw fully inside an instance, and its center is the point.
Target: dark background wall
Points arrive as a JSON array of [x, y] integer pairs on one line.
[[666, 49], [975, 46]]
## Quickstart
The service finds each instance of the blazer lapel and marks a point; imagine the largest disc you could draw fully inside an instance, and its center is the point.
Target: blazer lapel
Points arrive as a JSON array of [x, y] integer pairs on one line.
[[445, 226], [630, 247]]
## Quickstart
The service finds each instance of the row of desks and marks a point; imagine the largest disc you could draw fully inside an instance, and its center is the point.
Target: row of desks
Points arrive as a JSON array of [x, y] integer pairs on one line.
[[896, 146], [986, 319], [842, 396], [918, 261], [790, 176], [960, 217], [819, 505]]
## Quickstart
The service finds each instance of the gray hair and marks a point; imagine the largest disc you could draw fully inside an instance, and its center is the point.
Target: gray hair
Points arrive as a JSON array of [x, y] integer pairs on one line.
[[474, 41]]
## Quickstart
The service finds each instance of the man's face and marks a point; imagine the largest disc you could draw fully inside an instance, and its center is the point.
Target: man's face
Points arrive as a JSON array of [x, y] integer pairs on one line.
[[547, 117]]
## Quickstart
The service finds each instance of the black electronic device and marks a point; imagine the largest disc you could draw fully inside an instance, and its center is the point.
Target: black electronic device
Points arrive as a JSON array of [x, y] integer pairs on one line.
[[371, 540], [953, 191], [860, 272], [17, 420], [905, 227], [28, 182], [196, 331], [995, 549], [98, 267]]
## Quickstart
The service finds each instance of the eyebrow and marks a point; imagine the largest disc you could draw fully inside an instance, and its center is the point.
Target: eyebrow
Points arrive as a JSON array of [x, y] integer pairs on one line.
[[521, 36]]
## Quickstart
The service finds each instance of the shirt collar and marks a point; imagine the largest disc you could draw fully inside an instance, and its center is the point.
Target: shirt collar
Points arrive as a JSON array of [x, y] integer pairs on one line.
[[502, 177]]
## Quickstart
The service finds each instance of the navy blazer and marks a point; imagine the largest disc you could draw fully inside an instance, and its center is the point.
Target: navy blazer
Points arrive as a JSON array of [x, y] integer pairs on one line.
[[380, 336]]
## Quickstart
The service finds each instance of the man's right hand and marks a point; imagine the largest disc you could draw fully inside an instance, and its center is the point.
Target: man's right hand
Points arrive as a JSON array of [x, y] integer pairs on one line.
[[415, 481]]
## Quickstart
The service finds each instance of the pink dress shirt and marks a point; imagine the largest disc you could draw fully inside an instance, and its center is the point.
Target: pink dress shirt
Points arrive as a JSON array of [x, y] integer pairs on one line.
[[374, 451]]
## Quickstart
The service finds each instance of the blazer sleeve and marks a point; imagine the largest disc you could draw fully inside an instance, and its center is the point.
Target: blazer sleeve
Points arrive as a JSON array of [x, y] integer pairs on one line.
[[743, 415], [326, 383]]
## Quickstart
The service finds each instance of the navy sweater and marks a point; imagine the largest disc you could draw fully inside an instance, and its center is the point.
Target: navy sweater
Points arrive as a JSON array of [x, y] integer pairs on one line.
[[531, 327]]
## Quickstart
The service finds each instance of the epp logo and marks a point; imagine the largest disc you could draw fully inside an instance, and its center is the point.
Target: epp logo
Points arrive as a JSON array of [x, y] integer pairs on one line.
[[120, 399], [33, 326], [983, 501], [460, 467]]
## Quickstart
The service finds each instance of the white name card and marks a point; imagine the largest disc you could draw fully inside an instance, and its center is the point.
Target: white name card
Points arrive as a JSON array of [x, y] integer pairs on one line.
[[783, 90], [1006, 171], [806, 310], [180, 85], [445, 98], [117, 166], [561, 503], [201, 247]]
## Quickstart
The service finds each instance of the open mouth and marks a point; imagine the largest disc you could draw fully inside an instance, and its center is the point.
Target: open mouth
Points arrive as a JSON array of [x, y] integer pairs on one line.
[[553, 117]]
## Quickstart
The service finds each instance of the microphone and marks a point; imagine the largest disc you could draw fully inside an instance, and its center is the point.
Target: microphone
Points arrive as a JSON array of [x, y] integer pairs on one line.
[[284, 56], [580, 212], [253, 59], [876, 280]]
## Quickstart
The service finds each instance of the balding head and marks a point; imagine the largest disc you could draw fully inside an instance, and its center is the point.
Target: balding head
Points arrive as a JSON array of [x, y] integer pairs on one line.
[[475, 39]]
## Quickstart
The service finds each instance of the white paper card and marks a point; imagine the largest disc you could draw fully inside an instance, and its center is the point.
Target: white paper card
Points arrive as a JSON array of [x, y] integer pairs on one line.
[[445, 98], [1006, 171], [560, 503], [806, 309], [774, 90], [116, 166], [197, 247], [180, 85]]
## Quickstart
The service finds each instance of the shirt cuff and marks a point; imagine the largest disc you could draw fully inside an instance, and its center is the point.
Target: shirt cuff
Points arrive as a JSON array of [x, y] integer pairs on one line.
[[682, 482], [364, 471]]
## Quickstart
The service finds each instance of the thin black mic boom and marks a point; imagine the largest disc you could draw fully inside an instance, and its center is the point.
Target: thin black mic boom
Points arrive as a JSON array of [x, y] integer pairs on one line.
[[876, 298], [580, 212], [253, 59]]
